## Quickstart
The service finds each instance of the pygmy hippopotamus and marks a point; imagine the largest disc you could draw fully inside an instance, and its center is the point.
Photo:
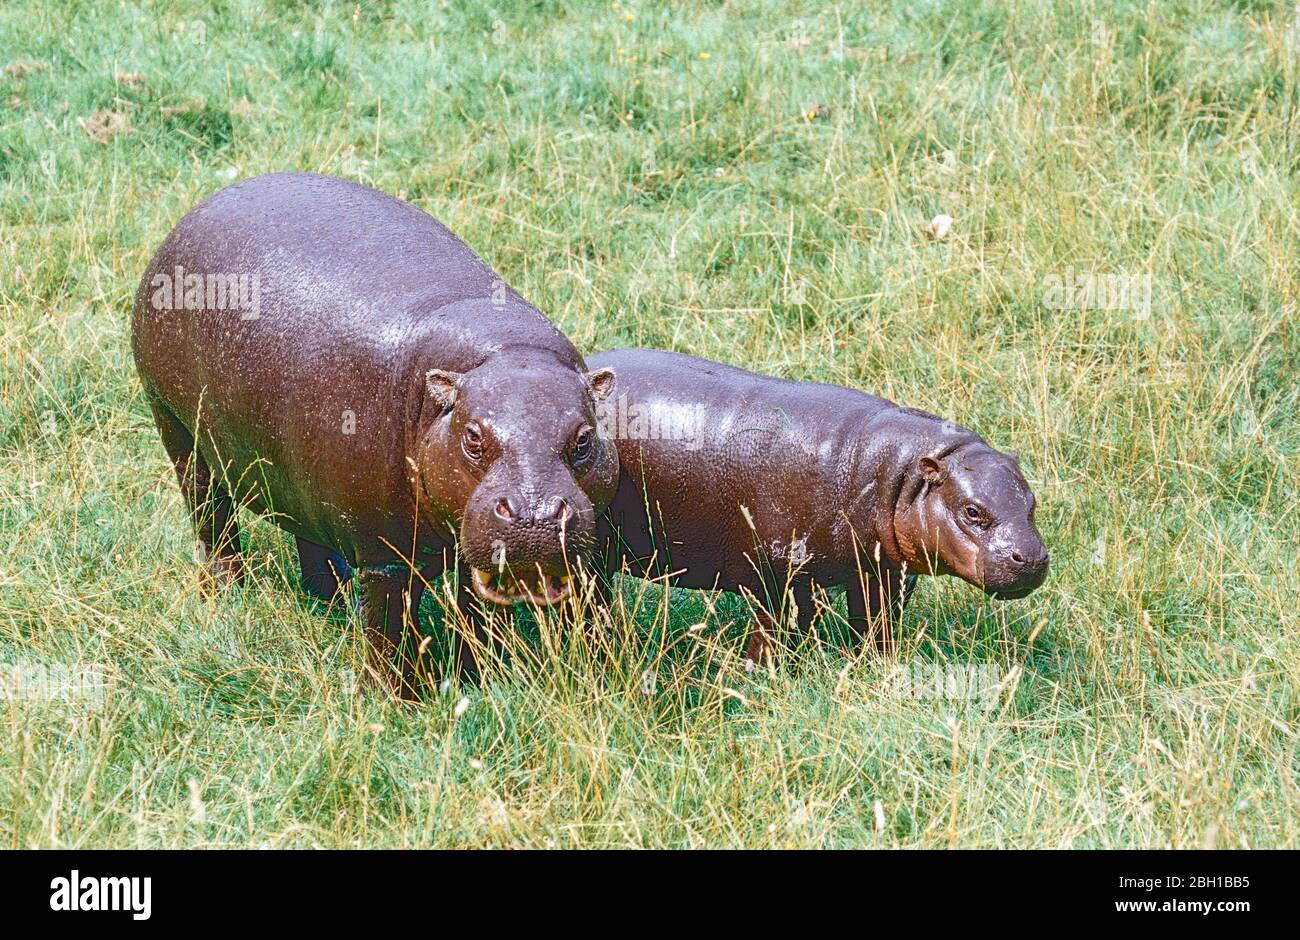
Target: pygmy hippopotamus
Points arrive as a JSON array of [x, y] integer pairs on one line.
[[334, 358], [753, 484]]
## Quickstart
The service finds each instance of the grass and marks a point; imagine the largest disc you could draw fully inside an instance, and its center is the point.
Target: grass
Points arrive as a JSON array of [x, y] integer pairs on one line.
[[661, 174]]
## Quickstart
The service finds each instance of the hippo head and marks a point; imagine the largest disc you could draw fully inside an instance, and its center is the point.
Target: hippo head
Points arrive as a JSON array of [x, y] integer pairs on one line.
[[515, 459], [971, 514]]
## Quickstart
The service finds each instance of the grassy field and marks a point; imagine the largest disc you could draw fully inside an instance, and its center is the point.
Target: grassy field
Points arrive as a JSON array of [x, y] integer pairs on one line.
[[749, 182]]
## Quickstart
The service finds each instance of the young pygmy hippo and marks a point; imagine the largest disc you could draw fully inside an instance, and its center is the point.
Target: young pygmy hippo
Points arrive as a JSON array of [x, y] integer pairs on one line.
[[741, 482]]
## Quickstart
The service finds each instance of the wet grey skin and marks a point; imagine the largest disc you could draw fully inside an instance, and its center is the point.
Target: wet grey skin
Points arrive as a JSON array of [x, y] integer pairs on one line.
[[382, 395], [754, 484]]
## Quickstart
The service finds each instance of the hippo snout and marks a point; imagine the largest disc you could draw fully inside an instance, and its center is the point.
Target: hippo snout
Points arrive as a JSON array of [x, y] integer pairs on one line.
[[523, 544], [511, 510], [534, 528], [1019, 571]]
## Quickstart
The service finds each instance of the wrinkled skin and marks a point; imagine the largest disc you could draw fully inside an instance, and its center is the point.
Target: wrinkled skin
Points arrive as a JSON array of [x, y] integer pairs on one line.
[[838, 488], [344, 406]]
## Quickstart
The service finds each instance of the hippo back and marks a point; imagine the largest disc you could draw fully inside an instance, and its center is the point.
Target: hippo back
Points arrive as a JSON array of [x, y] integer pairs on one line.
[[305, 384], [744, 460]]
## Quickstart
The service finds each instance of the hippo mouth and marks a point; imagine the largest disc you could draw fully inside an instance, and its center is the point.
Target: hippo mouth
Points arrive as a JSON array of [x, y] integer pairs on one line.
[[1015, 590], [1012, 594], [507, 588]]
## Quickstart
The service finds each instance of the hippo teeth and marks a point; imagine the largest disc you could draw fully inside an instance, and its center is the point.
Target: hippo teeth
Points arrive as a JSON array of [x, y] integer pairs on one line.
[[508, 588]]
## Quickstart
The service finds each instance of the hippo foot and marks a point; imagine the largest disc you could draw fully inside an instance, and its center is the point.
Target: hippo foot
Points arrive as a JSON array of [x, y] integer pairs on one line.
[[221, 572], [395, 688]]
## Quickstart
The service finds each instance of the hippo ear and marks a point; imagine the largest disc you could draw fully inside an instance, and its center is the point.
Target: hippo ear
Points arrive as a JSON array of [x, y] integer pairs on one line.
[[602, 383], [931, 470], [441, 387]]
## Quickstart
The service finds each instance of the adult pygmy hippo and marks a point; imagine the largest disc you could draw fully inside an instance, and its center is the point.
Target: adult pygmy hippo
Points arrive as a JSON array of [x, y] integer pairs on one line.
[[747, 483], [322, 352]]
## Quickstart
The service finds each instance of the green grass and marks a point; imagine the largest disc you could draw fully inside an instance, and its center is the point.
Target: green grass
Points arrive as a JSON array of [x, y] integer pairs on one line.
[[651, 174]]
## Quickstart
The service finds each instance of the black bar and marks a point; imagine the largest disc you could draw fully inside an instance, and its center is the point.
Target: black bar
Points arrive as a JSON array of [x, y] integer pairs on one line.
[[306, 888]]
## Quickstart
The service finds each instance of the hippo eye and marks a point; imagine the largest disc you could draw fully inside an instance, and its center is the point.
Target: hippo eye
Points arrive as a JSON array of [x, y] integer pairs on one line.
[[973, 514], [582, 445], [472, 442]]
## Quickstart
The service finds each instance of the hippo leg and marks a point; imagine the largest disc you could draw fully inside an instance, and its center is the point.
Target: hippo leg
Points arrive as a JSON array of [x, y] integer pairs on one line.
[[324, 571], [909, 585], [874, 605], [767, 622], [390, 600], [211, 508]]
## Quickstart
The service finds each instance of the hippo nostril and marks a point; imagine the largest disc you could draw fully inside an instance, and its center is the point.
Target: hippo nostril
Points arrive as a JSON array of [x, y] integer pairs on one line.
[[1018, 558], [505, 508]]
